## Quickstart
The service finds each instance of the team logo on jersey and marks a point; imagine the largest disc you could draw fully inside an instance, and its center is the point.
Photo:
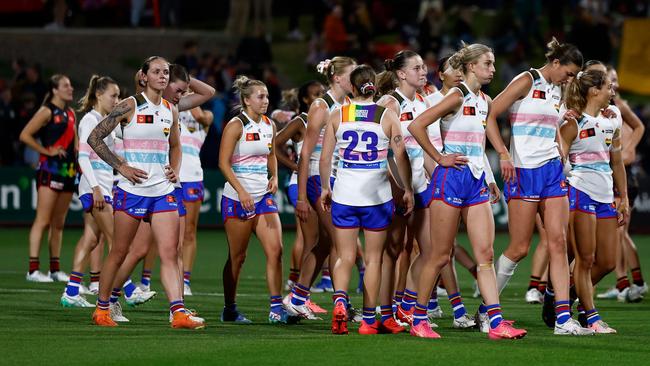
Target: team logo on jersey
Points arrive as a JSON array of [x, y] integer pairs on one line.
[[144, 118], [608, 141], [484, 191], [270, 202], [406, 116], [253, 136], [484, 122], [191, 129], [562, 184], [171, 198], [557, 107], [166, 131], [270, 146], [539, 94], [58, 118], [469, 111], [587, 133]]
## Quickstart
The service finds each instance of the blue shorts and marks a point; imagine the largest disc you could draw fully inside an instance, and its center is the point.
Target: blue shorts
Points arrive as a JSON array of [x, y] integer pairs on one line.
[[458, 188], [141, 207], [292, 193], [233, 209], [375, 218], [178, 191], [579, 200], [536, 184], [192, 191], [87, 201], [314, 188], [424, 198]]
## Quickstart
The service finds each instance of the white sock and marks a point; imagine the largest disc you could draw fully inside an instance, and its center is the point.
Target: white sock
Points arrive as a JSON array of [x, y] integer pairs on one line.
[[505, 268]]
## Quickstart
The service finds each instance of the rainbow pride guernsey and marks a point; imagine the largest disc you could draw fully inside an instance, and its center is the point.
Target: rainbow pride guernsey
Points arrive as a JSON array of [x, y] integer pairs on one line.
[[464, 131], [250, 157], [589, 156], [408, 111], [192, 138], [362, 178], [535, 120], [146, 147]]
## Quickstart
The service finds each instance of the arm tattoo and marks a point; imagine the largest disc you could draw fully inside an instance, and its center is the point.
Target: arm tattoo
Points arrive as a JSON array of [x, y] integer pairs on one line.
[[397, 139], [103, 129]]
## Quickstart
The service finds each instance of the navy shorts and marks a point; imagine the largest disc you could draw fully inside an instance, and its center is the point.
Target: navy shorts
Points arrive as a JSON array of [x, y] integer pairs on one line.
[[292, 193], [178, 191], [376, 217], [87, 201], [536, 184], [579, 200], [141, 207], [233, 209], [192, 191], [314, 188], [459, 188]]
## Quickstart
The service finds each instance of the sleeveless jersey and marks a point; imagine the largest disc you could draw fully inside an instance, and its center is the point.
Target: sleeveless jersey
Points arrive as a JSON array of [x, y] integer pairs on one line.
[[362, 178], [59, 132], [146, 146], [192, 138], [589, 156], [408, 111], [94, 171], [464, 132], [434, 128], [297, 147], [535, 120], [250, 157], [314, 160]]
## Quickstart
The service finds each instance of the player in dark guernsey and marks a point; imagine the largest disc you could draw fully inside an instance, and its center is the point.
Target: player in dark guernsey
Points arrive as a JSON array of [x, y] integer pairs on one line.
[[54, 126]]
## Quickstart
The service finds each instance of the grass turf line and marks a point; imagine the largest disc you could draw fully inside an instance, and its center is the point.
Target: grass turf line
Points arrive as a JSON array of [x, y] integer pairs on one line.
[[37, 330]]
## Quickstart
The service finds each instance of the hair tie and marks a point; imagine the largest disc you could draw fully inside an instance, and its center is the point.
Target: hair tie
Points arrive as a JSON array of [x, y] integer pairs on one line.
[[323, 66], [367, 87], [580, 75]]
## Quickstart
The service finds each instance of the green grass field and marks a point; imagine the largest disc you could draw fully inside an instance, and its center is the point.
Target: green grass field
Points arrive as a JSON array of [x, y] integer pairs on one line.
[[38, 331]]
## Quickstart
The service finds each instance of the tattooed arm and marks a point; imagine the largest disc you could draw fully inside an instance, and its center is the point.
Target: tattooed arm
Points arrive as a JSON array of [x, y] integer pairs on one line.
[[121, 114]]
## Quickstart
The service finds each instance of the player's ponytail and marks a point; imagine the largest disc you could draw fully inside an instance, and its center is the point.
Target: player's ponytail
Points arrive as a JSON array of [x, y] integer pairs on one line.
[[97, 84], [578, 90], [363, 81], [565, 53]]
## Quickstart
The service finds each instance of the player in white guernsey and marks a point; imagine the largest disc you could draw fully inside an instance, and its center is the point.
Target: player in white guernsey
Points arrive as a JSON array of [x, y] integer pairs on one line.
[[299, 280], [337, 71], [95, 185], [141, 246], [537, 183], [362, 131], [594, 151], [459, 187], [152, 156], [194, 128], [450, 78], [247, 161], [627, 257]]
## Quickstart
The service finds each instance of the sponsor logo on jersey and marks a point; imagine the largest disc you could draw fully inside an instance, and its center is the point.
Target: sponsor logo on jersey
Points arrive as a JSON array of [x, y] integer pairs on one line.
[[406, 116], [253, 136], [587, 133], [168, 121], [539, 94], [361, 113], [144, 118], [469, 111]]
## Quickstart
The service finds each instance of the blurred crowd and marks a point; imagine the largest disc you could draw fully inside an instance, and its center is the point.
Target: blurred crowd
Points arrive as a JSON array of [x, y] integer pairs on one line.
[[368, 30]]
